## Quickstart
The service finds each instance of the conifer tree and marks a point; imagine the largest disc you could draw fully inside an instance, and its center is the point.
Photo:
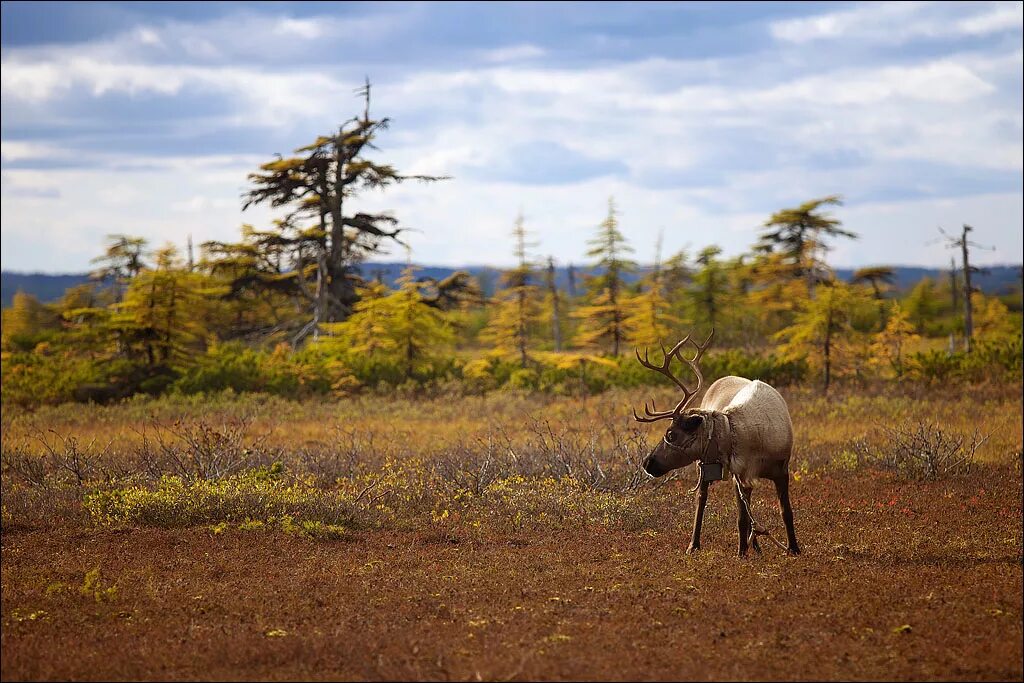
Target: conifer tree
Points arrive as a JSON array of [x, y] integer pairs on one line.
[[824, 333], [318, 262], [164, 312], [890, 346], [26, 318], [710, 285], [553, 304], [603, 317], [517, 306], [992, 319], [123, 259], [799, 234], [400, 327], [650, 321], [922, 304]]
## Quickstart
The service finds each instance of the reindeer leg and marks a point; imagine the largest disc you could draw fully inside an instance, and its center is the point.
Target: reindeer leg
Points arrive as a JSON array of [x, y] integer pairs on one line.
[[700, 500], [782, 487], [744, 522]]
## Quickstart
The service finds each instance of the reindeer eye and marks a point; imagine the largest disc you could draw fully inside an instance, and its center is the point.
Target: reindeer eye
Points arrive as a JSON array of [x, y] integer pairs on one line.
[[668, 435]]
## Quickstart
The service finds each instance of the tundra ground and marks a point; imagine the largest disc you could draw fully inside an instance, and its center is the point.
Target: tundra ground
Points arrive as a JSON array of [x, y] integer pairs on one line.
[[900, 578]]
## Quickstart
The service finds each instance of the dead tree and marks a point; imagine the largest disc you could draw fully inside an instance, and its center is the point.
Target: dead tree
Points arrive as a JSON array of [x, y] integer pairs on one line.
[[556, 325]]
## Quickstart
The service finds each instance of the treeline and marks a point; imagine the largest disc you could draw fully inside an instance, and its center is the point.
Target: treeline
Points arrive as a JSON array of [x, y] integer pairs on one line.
[[284, 310]]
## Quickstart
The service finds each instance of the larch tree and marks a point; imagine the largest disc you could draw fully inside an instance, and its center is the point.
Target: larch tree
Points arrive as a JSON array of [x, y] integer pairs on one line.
[[800, 234], [321, 241], [993, 321], [400, 327], [676, 272], [123, 259], [163, 312], [517, 307], [553, 304], [775, 294], [922, 304], [25, 319], [650, 321], [710, 284], [890, 346], [604, 315], [879, 278], [824, 333], [258, 291]]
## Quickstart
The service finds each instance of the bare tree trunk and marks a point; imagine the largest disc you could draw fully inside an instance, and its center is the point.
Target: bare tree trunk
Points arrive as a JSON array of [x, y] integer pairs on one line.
[[709, 297], [150, 355], [828, 347], [556, 326], [613, 299], [171, 310], [954, 286], [968, 308], [521, 326], [337, 263]]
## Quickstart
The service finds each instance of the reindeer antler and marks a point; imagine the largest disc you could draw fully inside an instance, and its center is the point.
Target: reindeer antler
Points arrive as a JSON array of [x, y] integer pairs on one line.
[[652, 413]]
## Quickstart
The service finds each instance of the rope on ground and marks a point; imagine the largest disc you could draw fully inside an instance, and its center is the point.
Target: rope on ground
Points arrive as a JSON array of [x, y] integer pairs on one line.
[[755, 528]]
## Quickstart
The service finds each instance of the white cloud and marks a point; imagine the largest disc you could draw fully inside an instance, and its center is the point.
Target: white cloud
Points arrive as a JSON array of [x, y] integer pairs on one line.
[[303, 28], [147, 36], [899, 22], [905, 232], [202, 203], [512, 53], [261, 97], [18, 150], [739, 134], [1005, 17]]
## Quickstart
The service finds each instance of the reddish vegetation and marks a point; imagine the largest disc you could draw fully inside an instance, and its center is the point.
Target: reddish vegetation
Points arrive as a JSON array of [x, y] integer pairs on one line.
[[942, 558]]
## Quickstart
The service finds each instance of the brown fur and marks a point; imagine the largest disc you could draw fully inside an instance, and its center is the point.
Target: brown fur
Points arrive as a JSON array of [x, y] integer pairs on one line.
[[747, 425]]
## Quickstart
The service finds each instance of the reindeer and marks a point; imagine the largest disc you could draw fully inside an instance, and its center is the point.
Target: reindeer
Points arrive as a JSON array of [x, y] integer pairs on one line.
[[742, 424]]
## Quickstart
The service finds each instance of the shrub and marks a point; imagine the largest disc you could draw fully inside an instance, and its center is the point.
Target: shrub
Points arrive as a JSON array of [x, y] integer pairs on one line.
[[926, 451], [521, 502], [33, 379], [995, 359], [254, 495]]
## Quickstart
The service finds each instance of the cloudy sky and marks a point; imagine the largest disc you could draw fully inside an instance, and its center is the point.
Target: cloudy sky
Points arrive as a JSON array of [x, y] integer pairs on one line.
[[699, 118]]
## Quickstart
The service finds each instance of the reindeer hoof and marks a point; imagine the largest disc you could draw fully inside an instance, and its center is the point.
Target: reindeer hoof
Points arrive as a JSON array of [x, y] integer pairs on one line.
[[794, 550], [692, 549]]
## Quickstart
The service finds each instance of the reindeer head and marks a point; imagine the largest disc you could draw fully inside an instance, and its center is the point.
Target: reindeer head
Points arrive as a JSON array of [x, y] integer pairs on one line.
[[688, 434]]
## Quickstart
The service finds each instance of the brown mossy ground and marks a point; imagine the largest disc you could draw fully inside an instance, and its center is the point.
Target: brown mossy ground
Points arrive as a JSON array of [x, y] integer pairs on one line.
[[898, 580]]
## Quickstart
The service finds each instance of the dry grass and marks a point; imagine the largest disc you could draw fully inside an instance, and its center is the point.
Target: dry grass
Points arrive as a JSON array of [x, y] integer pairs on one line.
[[498, 537]]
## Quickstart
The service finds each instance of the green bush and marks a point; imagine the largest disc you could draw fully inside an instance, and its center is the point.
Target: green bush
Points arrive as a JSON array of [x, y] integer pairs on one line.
[[990, 360], [31, 379], [257, 495], [769, 368]]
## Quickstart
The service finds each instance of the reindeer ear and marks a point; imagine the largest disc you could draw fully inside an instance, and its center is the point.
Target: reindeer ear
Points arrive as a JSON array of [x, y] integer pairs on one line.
[[692, 422]]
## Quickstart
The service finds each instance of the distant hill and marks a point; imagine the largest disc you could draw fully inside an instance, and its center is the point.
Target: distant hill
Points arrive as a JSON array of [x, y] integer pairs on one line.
[[42, 286], [1001, 279]]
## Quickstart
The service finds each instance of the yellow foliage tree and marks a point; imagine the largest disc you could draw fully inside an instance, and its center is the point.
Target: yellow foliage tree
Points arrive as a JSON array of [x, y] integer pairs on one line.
[[517, 307], [650, 322], [823, 333], [164, 311], [992, 319], [26, 318], [400, 327], [889, 347], [603, 318]]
